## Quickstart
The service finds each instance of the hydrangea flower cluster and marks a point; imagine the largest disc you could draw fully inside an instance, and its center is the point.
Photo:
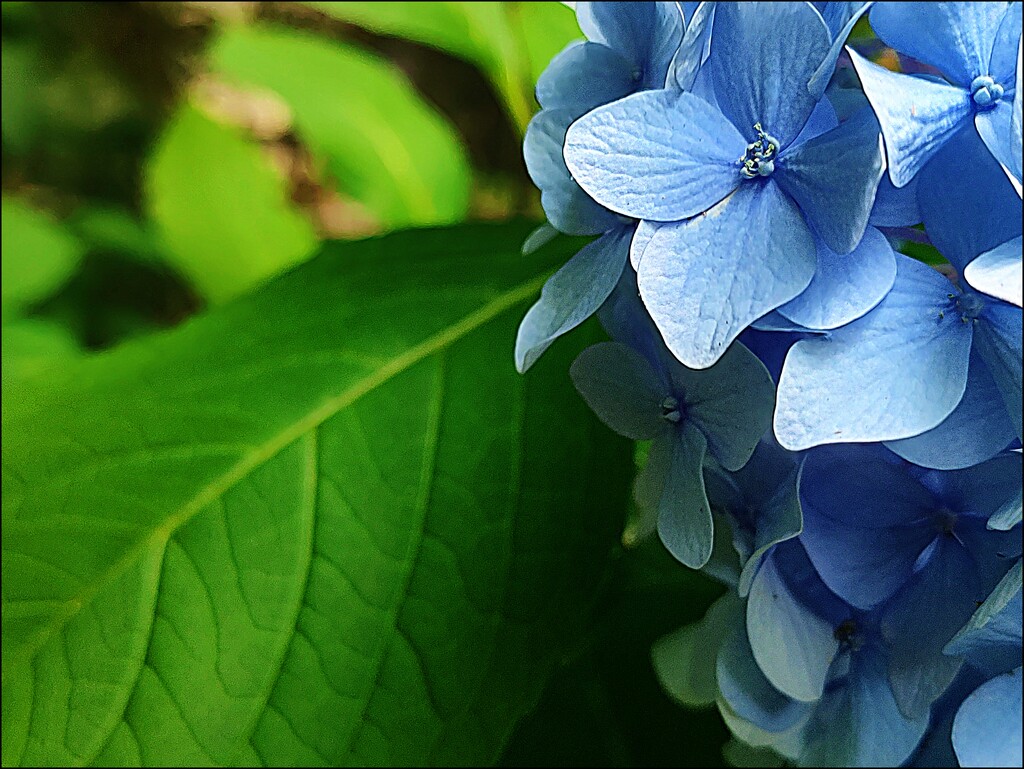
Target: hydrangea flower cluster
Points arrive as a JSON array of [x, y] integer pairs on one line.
[[834, 426]]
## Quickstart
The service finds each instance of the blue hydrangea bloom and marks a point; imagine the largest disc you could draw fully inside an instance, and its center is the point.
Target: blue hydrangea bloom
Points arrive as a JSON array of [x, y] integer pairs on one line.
[[630, 47], [733, 185], [638, 389], [900, 371], [975, 46]]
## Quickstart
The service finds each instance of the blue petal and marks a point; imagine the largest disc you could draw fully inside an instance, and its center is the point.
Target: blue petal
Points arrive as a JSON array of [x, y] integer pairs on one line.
[[706, 279], [684, 516], [857, 723], [966, 206], [986, 730], [976, 430], [622, 389], [920, 621], [995, 127], [657, 155], [980, 491], [695, 47], [833, 178], [1006, 48], [998, 272], [731, 403], [864, 522], [568, 207], [840, 18], [647, 34], [955, 38], [572, 295], [762, 56], [917, 116], [779, 518], [896, 372], [539, 238], [997, 335], [895, 206], [745, 688], [582, 77], [791, 621], [844, 288], [991, 639]]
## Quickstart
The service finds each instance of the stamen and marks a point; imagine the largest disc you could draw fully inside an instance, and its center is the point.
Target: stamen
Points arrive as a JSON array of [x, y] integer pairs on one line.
[[759, 159]]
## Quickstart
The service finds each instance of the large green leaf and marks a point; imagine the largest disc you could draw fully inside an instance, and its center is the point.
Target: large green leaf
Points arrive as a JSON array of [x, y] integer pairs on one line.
[[220, 208], [511, 43], [382, 143], [38, 255], [325, 524]]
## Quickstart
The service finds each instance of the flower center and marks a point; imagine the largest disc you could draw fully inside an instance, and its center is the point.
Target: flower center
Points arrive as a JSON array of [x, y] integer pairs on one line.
[[759, 159], [945, 521], [970, 306], [670, 410], [986, 92], [849, 635]]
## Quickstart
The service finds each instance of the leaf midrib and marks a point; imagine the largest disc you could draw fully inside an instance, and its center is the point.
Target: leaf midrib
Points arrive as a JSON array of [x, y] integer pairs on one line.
[[270, 448]]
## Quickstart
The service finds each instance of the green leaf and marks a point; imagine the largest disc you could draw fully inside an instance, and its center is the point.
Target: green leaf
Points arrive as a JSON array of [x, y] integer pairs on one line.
[[382, 143], [325, 524], [511, 43], [38, 256], [220, 208], [30, 345]]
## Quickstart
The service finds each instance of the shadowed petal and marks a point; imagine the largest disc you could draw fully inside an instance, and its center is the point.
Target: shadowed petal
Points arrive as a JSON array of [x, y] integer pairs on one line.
[[840, 18], [706, 279], [646, 34], [685, 525], [896, 372], [917, 116], [991, 639], [583, 76], [997, 336], [658, 155], [762, 56]]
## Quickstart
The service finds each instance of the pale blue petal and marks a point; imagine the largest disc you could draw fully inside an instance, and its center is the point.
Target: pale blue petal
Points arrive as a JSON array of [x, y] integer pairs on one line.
[[695, 47], [568, 207], [917, 115], [706, 279], [622, 389], [998, 272], [986, 730], [1006, 48], [920, 621], [657, 155], [844, 288], [997, 335], [833, 178], [745, 688], [584, 76], [896, 372], [895, 206], [731, 403], [572, 295], [955, 38], [995, 127], [966, 205], [862, 522], [857, 723], [685, 660], [762, 56], [685, 525], [647, 34], [976, 430], [644, 232], [840, 18], [794, 645], [539, 238], [991, 640]]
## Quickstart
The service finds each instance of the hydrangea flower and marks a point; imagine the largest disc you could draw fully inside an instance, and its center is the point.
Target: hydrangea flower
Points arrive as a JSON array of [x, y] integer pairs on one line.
[[929, 347], [732, 185], [639, 390], [629, 48], [975, 46]]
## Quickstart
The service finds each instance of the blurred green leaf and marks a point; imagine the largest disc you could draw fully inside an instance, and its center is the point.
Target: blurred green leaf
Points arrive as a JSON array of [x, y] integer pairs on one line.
[[325, 524], [38, 255], [509, 42], [116, 230], [220, 208], [31, 345], [382, 143]]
